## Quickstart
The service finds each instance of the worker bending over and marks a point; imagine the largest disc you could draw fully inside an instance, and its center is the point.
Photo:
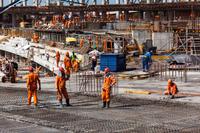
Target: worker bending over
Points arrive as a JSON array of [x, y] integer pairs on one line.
[[57, 58], [171, 89], [32, 81], [146, 61], [75, 62], [108, 83], [67, 64], [60, 86]]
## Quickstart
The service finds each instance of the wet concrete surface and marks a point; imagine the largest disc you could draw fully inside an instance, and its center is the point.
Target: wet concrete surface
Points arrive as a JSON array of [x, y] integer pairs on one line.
[[86, 114]]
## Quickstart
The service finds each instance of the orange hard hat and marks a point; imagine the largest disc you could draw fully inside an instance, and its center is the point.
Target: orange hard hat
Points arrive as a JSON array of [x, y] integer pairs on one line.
[[67, 54], [30, 69], [62, 69], [106, 70], [169, 81]]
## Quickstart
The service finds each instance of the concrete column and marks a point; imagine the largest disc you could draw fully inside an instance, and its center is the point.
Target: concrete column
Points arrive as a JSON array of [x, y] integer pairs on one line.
[[105, 2], [94, 2], [103, 15], [58, 2], [13, 20], [117, 12], [24, 3], [36, 2], [47, 2], [1, 3], [126, 1], [141, 15], [82, 2], [126, 13], [147, 16], [170, 15], [82, 15]]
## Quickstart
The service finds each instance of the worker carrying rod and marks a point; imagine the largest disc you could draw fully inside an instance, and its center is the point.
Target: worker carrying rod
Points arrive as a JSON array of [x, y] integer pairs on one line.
[[108, 83], [32, 81], [60, 86]]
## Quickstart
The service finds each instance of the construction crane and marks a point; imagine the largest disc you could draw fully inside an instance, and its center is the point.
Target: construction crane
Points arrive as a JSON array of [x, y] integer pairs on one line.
[[16, 2]]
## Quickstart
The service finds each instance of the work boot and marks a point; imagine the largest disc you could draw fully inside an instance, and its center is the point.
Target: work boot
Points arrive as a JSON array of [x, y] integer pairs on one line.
[[61, 105], [67, 103], [35, 106], [108, 105], [104, 105]]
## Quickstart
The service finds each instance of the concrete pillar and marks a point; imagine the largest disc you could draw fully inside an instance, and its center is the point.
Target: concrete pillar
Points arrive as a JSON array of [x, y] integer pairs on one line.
[[13, 20], [82, 2], [82, 15], [126, 13], [47, 2], [117, 12], [170, 15], [58, 2], [1, 3], [103, 14], [24, 3], [147, 15], [141, 15], [105, 2], [94, 2], [36, 2], [126, 1]]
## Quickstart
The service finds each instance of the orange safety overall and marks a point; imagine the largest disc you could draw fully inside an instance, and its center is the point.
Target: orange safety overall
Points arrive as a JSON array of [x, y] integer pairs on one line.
[[68, 65], [32, 80], [81, 42], [171, 89], [57, 58], [108, 82], [75, 65], [61, 89]]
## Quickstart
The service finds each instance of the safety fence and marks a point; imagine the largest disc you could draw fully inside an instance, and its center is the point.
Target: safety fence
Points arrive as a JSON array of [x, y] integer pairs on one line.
[[166, 71], [91, 83]]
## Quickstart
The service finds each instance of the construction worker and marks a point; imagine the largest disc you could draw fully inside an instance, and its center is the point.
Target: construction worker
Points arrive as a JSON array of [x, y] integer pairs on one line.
[[60, 86], [57, 58], [76, 65], [81, 42], [146, 61], [32, 81], [35, 38], [108, 83], [67, 64], [171, 89]]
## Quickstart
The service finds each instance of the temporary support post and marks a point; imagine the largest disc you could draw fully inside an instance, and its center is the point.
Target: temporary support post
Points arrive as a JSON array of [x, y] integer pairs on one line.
[[1, 3]]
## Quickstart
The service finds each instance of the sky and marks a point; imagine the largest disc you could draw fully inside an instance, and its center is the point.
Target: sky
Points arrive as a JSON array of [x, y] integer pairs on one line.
[[30, 2]]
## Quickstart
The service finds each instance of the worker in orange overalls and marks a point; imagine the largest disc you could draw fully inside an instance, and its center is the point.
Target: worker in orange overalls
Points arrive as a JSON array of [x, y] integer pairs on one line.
[[32, 81], [108, 83], [57, 58], [171, 89], [68, 65], [75, 62], [35, 38], [81, 42], [60, 86], [76, 65]]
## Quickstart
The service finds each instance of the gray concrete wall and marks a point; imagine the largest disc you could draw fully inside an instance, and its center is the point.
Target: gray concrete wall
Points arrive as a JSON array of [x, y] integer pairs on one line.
[[141, 35], [162, 40]]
